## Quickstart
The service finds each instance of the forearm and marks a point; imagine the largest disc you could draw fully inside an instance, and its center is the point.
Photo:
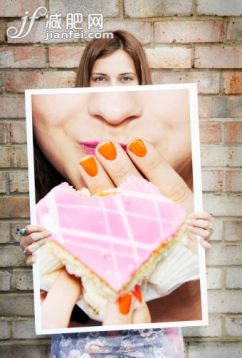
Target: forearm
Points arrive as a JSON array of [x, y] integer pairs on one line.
[[58, 305]]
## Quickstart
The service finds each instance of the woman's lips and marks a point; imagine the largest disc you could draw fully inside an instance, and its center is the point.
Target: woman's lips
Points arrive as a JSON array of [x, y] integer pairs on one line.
[[89, 147]]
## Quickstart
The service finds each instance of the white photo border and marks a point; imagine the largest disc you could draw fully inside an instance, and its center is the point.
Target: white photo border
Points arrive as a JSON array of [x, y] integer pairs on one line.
[[198, 206]]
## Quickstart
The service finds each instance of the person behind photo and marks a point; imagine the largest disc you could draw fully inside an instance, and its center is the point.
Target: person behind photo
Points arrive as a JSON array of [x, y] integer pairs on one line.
[[109, 62]]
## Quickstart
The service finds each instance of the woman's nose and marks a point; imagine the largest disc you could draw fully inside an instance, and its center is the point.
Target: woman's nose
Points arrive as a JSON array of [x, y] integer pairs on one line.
[[115, 108]]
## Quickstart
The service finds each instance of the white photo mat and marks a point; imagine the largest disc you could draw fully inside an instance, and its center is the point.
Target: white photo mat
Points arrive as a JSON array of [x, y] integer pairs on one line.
[[195, 142]]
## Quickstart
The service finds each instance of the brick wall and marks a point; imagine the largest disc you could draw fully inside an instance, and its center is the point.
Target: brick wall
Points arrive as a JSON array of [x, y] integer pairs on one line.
[[186, 41]]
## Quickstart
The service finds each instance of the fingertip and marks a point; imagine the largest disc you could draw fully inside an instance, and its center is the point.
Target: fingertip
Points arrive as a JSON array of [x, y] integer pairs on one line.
[[137, 293], [190, 216], [31, 260], [205, 244], [28, 228], [124, 303], [142, 314]]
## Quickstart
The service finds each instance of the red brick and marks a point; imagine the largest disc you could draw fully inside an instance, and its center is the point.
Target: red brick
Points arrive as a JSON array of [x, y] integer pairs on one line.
[[4, 132], [151, 8], [234, 31], [1, 82], [232, 82], [4, 157], [169, 57], [19, 7], [218, 57], [2, 31], [224, 347], [15, 157], [227, 253], [22, 57], [65, 57], [233, 230], [12, 255], [24, 329], [142, 30], [19, 81], [15, 207], [233, 324], [220, 106], [234, 180], [20, 304], [207, 81], [189, 31], [210, 132], [5, 329], [22, 279], [4, 232], [220, 8], [18, 132], [25, 349], [3, 182], [221, 156], [107, 8], [233, 132], [213, 180], [18, 182], [12, 107]]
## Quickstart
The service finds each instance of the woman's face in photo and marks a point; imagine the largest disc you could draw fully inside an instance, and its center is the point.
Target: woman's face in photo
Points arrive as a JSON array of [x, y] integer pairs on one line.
[[70, 126]]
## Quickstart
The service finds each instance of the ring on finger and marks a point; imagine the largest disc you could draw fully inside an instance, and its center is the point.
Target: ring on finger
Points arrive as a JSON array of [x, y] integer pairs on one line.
[[21, 231]]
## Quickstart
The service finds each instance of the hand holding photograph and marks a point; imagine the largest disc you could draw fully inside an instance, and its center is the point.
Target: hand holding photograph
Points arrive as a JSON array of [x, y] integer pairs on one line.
[[115, 179]]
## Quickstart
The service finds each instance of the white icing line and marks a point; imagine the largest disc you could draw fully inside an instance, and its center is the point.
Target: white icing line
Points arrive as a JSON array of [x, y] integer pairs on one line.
[[94, 247], [128, 229], [113, 252], [106, 238], [116, 212], [53, 210]]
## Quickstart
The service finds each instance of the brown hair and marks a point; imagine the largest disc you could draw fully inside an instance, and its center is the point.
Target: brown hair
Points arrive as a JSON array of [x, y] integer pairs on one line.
[[99, 48], [46, 176]]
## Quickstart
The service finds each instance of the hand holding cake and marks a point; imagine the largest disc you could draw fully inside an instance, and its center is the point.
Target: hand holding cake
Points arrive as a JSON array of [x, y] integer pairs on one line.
[[100, 174]]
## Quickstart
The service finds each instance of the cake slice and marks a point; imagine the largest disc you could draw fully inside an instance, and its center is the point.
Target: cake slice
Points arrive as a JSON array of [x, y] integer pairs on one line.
[[113, 240]]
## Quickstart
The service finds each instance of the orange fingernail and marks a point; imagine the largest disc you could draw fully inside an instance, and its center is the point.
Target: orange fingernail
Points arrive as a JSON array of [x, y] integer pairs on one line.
[[108, 151], [138, 148], [125, 303], [90, 166], [137, 293]]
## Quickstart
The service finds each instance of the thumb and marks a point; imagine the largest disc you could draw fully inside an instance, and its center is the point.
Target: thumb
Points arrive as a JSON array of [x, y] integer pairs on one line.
[[120, 311]]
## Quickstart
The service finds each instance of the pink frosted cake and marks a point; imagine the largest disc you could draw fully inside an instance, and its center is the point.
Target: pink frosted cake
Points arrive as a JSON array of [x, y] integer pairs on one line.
[[113, 240]]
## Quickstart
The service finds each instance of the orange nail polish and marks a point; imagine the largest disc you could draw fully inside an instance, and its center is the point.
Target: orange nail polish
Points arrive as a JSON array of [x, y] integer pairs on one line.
[[108, 151], [90, 166], [125, 303], [137, 293], [138, 148]]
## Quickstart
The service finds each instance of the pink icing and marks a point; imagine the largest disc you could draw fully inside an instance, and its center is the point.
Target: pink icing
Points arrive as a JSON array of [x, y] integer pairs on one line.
[[113, 235]]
